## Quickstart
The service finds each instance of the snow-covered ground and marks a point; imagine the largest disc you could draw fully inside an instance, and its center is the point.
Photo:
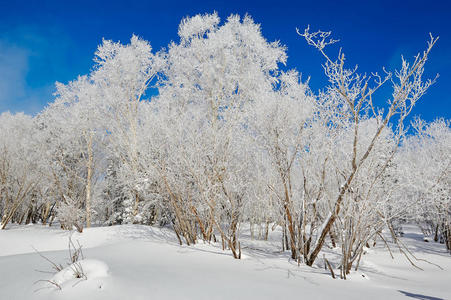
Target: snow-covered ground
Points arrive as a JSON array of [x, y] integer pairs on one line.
[[141, 262]]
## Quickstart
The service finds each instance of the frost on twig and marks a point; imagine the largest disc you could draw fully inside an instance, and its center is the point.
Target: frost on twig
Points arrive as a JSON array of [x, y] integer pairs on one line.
[[76, 268]]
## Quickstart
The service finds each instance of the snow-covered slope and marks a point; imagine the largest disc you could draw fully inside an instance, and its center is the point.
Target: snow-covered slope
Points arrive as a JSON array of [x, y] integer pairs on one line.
[[140, 262]]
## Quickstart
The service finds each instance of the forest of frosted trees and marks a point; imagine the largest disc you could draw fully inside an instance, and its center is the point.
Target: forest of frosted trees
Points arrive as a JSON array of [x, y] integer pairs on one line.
[[210, 135]]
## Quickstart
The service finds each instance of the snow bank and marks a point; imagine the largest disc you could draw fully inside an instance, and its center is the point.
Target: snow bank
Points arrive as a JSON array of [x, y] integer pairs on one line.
[[136, 262], [86, 269], [25, 239]]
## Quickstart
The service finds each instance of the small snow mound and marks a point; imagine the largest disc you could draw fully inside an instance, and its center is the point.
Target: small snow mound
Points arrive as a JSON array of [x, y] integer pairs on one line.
[[90, 268]]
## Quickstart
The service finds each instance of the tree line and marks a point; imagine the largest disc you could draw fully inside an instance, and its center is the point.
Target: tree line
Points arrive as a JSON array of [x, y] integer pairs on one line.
[[214, 133]]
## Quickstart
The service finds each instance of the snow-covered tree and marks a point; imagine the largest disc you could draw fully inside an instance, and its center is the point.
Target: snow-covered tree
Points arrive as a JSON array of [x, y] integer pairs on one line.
[[19, 175], [210, 79], [425, 174], [354, 93], [123, 75]]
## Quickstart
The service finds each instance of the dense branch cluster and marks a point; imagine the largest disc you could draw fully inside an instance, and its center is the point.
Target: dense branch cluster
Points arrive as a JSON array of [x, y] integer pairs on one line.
[[211, 134]]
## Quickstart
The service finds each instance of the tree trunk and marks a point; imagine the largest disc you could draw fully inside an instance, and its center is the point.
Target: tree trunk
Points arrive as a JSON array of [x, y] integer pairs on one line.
[[88, 181]]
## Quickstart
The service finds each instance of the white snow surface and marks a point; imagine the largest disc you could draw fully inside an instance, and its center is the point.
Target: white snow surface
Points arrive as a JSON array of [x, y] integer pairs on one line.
[[142, 262]]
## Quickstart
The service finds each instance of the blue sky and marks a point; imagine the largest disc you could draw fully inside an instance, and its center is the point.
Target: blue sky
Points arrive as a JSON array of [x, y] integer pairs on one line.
[[46, 41]]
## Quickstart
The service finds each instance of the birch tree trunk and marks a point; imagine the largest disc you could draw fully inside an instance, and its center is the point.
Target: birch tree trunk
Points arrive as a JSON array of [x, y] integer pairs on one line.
[[89, 179]]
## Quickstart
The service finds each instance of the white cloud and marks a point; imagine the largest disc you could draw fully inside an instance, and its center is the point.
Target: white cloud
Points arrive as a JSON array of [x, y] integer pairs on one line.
[[16, 95], [13, 72]]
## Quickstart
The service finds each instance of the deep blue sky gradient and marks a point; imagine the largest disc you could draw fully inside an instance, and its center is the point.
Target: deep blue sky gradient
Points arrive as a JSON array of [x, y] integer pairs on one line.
[[46, 41]]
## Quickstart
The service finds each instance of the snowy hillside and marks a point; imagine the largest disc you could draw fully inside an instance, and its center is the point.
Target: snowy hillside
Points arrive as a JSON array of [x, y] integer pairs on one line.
[[141, 262]]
